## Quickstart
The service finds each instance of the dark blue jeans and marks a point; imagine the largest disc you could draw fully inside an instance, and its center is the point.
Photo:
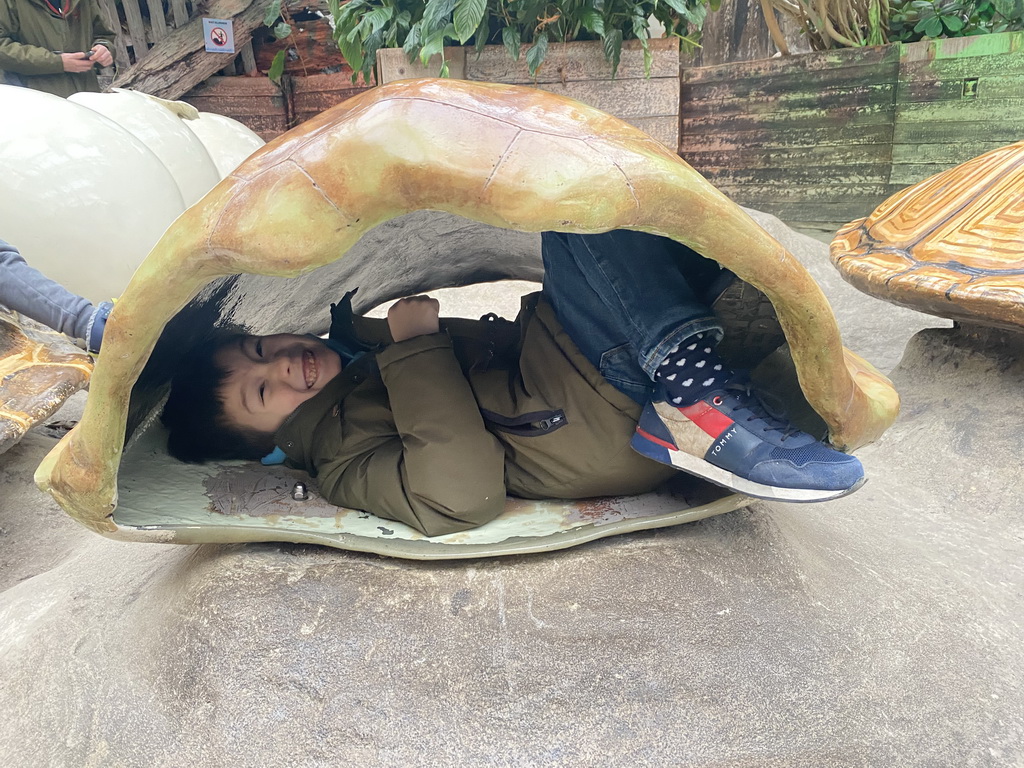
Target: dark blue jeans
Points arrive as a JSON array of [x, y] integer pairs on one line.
[[626, 298]]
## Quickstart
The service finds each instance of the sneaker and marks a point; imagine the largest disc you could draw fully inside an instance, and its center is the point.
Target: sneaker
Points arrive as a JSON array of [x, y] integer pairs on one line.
[[732, 439]]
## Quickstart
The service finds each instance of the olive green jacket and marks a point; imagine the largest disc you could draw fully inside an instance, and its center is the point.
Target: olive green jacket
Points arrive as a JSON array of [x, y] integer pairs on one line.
[[435, 430], [31, 39]]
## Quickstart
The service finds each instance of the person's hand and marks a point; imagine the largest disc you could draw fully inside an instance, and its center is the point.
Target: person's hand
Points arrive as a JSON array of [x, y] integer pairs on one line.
[[414, 316], [102, 56], [76, 62]]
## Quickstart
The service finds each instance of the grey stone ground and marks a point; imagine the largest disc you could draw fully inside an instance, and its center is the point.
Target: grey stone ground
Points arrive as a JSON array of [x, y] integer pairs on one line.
[[884, 629]]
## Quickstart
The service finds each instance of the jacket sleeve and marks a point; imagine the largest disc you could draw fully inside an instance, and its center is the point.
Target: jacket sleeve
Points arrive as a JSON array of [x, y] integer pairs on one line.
[[443, 471], [19, 58], [34, 295], [102, 31]]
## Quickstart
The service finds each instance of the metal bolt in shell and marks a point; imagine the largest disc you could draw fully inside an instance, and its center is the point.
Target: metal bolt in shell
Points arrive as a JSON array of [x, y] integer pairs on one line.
[[299, 492]]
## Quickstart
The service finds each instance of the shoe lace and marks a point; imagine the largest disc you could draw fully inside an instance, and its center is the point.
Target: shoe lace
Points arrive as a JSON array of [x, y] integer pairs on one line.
[[762, 406]]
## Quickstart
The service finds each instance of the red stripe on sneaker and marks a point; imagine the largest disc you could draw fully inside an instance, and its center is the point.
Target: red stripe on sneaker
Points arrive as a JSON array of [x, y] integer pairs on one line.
[[658, 440], [707, 418]]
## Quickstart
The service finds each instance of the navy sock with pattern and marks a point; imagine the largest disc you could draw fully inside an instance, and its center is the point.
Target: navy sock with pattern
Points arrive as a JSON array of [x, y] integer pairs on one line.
[[691, 370]]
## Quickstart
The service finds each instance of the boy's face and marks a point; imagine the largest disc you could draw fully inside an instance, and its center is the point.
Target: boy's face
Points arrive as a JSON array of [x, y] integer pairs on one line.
[[270, 376]]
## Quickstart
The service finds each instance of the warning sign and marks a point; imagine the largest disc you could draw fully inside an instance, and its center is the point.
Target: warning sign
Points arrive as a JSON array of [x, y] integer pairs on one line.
[[219, 35]]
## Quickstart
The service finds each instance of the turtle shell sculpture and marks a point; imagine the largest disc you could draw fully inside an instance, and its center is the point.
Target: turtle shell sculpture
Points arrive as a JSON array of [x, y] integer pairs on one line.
[[39, 370], [951, 245], [515, 158]]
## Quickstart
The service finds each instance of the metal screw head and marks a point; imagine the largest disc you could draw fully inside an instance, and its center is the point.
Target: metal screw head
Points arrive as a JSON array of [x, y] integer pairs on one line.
[[299, 492]]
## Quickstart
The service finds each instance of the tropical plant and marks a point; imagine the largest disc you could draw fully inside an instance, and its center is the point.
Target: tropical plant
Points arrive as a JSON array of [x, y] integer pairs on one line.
[[831, 23], [913, 20], [423, 27]]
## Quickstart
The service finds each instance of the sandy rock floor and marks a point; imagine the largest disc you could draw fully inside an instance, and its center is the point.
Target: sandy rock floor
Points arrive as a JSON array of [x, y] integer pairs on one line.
[[883, 629]]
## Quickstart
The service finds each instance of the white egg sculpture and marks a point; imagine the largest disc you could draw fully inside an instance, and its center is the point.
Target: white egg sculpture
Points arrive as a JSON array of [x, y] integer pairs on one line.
[[164, 133], [228, 141], [82, 198]]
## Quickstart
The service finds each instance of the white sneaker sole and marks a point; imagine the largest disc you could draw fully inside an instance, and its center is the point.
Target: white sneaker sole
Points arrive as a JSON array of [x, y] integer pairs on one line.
[[701, 468]]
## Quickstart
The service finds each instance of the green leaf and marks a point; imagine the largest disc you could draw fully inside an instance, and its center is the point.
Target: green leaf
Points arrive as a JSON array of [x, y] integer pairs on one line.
[[281, 30], [592, 21], [277, 67], [412, 40], [933, 27], [434, 44], [613, 49], [512, 41], [351, 49], [467, 16], [273, 13], [538, 51], [953, 23], [436, 14]]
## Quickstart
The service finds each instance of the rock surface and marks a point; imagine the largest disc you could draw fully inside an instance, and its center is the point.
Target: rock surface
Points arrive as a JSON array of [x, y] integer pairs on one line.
[[882, 629]]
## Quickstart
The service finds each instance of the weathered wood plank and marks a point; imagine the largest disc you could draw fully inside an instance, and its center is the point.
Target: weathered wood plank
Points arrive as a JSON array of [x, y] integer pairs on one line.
[[576, 61], [824, 61], [623, 98], [316, 93], [787, 82], [917, 132], [248, 59], [836, 117], [735, 32], [807, 177], [157, 23], [180, 62], [985, 88], [796, 137], [121, 59], [753, 157], [253, 101], [853, 96], [964, 47], [945, 155], [179, 12], [393, 64], [995, 110], [136, 29], [989, 66]]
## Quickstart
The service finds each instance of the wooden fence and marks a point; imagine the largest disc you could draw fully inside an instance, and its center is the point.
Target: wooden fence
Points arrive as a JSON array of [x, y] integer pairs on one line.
[[141, 31], [821, 139]]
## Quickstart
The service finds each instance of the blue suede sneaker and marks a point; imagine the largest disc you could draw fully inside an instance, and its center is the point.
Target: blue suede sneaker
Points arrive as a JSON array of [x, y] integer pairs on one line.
[[732, 439]]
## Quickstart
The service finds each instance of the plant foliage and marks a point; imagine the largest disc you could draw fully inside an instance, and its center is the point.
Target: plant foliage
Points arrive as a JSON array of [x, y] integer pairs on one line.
[[913, 20], [423, 27]]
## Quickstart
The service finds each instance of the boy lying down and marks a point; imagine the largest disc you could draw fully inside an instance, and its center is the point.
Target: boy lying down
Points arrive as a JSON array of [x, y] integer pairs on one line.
[[606, 383]]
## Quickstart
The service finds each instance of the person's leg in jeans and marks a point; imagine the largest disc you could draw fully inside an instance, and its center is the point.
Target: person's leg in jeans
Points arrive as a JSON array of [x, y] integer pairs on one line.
[[635, 306], [593, 288]]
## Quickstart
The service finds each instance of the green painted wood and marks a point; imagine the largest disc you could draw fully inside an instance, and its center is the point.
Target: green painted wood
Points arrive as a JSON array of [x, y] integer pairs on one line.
[[823, 138]]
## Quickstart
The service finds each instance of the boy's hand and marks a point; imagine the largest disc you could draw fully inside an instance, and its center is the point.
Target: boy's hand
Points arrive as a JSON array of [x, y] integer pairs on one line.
[[414, 316]]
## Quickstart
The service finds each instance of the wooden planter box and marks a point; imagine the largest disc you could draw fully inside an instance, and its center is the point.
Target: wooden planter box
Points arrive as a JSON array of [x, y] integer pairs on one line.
[[577, 70], [822, 138]]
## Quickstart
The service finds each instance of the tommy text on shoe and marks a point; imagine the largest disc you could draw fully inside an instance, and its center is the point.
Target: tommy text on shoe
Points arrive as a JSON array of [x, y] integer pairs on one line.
[[731, 440]]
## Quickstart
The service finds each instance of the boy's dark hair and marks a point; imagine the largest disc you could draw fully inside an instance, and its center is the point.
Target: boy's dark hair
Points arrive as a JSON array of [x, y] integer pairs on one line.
[[194, 412]]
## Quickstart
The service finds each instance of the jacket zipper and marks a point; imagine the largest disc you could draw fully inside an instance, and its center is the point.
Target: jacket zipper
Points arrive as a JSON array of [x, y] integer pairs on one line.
[[527, 425]]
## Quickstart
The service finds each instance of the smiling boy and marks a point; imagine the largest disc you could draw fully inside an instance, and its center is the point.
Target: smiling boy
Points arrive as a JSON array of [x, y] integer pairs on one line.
[[607, 382]]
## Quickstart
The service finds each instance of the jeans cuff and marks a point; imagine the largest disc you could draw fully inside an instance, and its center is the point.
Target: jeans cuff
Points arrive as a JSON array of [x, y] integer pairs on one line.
[[653, 359]]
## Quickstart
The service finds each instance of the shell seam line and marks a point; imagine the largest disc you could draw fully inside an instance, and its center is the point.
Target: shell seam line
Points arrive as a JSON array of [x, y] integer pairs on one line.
[[317, 187], [501, 160]]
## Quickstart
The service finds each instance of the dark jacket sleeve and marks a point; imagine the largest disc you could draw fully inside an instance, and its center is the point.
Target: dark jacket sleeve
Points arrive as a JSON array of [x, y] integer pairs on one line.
[[443, 472], [18, 57], [102, 30]]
